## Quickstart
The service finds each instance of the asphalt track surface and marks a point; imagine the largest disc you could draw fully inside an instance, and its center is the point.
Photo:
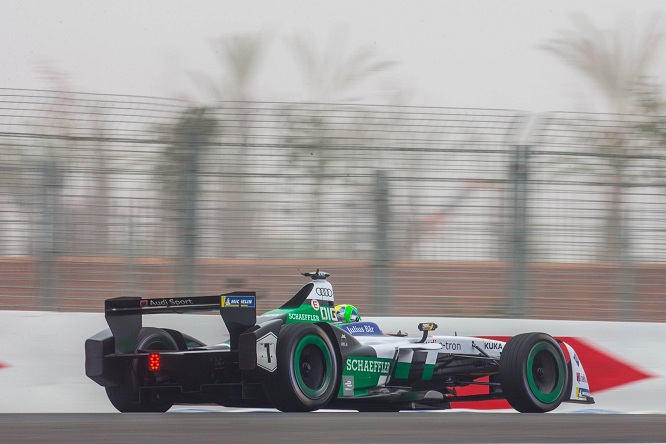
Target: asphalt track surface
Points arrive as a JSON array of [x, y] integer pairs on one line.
[[337, 427]]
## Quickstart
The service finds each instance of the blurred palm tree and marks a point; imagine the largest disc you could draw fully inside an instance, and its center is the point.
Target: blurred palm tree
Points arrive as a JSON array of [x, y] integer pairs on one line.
[[331, 74], [185, 143], [240, 57], [334, 73], [650, 102], [616, 62]]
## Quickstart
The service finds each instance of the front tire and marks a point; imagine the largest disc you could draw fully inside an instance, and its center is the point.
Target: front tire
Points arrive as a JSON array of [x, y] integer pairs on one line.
[[307, 372], [533, 373], [126, 398]]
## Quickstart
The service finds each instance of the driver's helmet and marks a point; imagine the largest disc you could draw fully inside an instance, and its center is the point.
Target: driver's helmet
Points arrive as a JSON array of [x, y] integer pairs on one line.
[[347, 313]]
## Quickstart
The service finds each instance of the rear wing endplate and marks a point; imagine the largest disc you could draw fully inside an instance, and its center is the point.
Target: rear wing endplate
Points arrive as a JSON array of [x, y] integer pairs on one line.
[[124, 314]]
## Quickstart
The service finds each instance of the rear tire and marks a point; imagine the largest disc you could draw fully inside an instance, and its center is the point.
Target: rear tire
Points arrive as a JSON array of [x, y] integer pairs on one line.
[[307, 372], [533, 373], [126, 398]]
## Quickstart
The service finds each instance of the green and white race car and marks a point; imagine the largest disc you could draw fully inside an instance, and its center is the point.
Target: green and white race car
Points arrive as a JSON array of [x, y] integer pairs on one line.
[[301, 357]]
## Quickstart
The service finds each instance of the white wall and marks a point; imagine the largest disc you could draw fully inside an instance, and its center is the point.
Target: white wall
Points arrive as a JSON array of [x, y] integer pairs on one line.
[[44, 355]]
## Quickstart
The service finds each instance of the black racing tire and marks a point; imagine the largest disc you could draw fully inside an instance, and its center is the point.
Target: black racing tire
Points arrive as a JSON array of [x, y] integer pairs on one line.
[[533, 373], [307, 371], [126, 398]]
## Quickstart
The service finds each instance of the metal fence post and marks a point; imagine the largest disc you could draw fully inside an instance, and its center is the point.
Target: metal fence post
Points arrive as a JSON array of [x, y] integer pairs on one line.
[[626, 289], [382, 249], [187, 273], [519, 233], [50, 234]]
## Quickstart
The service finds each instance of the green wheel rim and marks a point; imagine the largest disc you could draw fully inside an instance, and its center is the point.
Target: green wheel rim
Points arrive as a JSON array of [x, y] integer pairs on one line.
[[313, 368], [545, 372]]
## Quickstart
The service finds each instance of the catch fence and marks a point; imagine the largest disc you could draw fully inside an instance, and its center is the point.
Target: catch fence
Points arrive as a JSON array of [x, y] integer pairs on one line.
[[413, 210]]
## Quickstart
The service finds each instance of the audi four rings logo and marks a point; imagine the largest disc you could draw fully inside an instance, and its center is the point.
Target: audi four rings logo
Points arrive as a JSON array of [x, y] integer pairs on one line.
[[324, 292]]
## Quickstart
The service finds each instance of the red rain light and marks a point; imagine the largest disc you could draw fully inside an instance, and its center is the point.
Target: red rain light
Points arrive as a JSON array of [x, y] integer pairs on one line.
[[154, 362]]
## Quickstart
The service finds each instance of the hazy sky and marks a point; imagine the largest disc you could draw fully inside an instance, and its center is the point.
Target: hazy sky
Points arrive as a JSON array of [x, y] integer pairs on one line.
[[467, 53]]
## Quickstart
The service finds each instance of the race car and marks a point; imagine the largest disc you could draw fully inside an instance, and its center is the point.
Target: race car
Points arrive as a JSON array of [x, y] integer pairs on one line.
[[303, 357]]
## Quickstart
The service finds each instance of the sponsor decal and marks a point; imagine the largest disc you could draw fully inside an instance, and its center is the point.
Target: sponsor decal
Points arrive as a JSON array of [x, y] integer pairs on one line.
[[324, 292], [165, 302], [361, 328], [304, 317], [237, 301], [368, 365], [347, 385], [343, 341], [493, 346], [315, 304], [582, 392], [354, 329], [580, 377], [327, 314], [576, 359], [451, 346]]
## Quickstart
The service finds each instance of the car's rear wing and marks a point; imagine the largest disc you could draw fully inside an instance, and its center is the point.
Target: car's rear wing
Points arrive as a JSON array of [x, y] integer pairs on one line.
[[124, 314]]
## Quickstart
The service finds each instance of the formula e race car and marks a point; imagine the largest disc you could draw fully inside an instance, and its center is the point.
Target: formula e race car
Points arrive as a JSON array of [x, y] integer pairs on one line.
[[299, 357]]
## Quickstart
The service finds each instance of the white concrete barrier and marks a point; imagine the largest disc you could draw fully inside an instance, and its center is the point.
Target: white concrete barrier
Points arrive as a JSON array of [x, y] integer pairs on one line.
[[42, 356]]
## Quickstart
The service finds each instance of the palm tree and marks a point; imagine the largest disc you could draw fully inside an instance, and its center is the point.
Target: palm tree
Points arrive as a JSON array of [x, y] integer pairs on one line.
[[187, 140], [239, 57], [615, 62], [335, 74], [332, 74]]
